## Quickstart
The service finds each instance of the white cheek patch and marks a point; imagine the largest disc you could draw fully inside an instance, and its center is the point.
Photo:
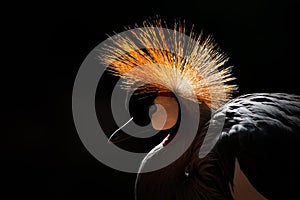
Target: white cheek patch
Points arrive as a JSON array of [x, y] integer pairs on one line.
[[159, 117]]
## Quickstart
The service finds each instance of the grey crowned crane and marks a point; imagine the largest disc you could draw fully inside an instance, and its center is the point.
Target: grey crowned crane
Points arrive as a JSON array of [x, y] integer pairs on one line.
[[255, 155]]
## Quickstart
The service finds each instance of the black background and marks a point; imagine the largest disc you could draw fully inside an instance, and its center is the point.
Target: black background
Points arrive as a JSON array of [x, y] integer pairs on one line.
[[43, 156]]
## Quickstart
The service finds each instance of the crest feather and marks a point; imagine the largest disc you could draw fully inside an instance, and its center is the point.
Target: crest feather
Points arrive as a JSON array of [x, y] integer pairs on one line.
[[169, 60]]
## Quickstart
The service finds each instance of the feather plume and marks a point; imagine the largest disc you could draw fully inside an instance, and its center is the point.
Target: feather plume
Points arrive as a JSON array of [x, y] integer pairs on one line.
[[164, 60]]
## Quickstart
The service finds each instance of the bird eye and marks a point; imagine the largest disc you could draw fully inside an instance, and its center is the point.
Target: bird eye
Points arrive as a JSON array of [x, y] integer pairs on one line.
[[152, 109]]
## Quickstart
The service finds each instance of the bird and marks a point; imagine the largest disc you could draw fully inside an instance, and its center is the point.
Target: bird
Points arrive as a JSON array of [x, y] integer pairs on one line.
[[254, 155]]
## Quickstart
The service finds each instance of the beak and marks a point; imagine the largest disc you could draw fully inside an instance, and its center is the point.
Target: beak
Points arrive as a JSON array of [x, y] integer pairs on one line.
[[118, 135]]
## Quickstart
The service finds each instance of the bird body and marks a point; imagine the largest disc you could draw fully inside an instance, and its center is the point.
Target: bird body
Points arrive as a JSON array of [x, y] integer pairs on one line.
[[261, 132]]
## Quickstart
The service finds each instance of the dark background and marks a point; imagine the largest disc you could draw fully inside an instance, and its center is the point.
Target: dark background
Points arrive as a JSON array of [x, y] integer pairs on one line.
[[43, 156]]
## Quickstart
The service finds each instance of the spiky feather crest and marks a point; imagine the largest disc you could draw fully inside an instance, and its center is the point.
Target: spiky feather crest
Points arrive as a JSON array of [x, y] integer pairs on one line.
[[169, 60]]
